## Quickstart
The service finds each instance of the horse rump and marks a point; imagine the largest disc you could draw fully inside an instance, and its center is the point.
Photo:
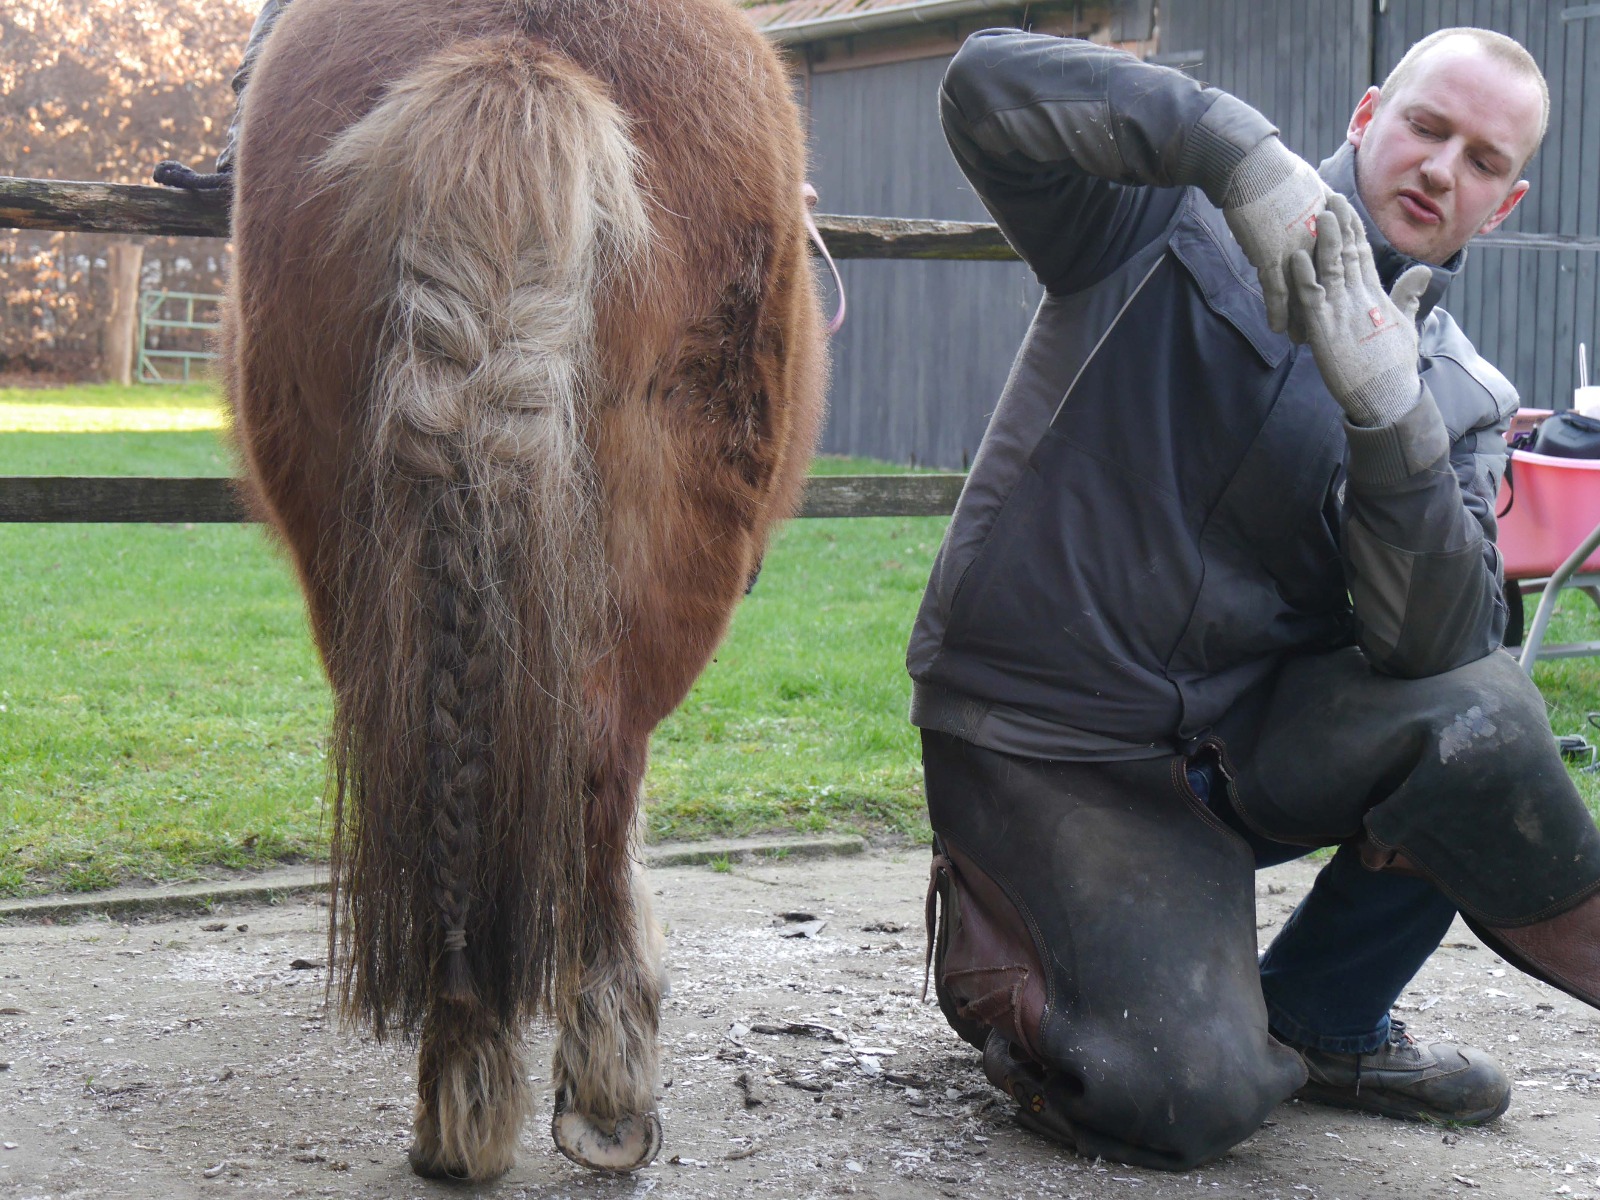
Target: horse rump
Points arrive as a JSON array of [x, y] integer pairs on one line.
[[450, 344]]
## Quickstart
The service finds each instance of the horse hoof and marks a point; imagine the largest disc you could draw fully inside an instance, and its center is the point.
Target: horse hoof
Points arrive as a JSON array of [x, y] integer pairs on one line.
[[423, 1165], [631, 1145]]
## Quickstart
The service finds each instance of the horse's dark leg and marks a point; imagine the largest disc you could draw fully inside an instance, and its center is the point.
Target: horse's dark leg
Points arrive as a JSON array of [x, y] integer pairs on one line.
[[606, 1055]]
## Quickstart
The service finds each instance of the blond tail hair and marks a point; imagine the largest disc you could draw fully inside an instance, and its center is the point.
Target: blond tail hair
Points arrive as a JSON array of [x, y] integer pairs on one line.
[[489, 201]]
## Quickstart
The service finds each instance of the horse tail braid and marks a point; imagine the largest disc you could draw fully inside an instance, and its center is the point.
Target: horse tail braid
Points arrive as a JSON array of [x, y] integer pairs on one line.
[[489, 203]]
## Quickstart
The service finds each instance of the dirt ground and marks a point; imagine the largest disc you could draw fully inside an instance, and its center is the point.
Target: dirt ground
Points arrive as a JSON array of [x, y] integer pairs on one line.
[[192, 1057]]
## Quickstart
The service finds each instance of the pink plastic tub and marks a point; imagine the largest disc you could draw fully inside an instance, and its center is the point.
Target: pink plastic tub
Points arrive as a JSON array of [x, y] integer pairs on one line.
[[1557, 505]]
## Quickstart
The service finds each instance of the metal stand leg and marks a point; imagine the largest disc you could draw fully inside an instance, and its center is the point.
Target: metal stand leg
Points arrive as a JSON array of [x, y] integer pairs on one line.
[[1547, 602]]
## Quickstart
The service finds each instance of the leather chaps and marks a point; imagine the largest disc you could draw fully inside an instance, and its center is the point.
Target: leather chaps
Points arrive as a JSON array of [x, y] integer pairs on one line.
[[1101, 919], [1103, 922], [1455, 777]]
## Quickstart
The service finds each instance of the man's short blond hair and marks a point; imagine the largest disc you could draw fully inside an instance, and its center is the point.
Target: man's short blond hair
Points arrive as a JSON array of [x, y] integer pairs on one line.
[[1495, 45]]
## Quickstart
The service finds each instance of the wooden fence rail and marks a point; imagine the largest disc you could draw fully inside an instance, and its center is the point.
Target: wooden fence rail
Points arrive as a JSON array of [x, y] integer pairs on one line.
[[49, 204], [63, 205], [60, 205], [103, 499]]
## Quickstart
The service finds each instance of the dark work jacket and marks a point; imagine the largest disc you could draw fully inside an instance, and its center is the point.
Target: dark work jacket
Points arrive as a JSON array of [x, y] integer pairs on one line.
[[1167, 501]]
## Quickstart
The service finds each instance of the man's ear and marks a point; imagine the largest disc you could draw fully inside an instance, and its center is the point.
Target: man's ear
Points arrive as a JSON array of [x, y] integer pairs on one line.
[[1366, 109], [1513, 198]]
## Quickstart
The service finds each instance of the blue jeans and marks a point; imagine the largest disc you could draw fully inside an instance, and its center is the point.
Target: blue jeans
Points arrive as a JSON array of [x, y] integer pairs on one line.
[[1349, 949]]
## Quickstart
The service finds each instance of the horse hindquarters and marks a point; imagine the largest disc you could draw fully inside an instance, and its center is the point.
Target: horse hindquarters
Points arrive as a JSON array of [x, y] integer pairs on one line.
[[488, 201], [452, 396]]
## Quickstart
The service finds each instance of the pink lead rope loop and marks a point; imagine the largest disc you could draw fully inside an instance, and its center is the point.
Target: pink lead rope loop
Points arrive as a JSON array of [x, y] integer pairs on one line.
[[810, 194]]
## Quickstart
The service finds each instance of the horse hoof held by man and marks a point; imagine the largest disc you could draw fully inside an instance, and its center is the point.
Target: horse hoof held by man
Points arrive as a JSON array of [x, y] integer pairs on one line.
[[1222, 588]]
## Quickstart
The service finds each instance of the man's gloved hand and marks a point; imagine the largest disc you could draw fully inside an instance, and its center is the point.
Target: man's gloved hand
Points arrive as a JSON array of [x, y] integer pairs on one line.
[[1365, 340], [1270, 204]]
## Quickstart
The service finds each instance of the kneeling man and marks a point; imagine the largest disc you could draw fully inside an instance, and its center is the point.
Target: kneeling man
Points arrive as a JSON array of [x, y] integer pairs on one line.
[[1221, 588]]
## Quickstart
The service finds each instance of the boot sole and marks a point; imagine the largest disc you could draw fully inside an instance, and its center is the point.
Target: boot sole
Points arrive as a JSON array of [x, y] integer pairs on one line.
[[1397, 1107]]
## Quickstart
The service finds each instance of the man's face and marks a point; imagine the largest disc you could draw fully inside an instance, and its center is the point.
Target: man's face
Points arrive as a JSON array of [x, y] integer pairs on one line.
[[1438, 162]]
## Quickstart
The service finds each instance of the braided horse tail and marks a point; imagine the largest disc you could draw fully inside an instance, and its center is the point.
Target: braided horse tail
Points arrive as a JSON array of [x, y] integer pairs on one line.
[[488, 200]]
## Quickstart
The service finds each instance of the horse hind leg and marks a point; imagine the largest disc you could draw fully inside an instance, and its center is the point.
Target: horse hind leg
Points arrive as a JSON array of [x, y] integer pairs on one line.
[[472, 1095], [606, 1064], [607, 1058], [652, 937]]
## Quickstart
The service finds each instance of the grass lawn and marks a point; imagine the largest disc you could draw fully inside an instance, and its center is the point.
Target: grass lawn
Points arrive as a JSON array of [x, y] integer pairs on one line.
[[162, 713]]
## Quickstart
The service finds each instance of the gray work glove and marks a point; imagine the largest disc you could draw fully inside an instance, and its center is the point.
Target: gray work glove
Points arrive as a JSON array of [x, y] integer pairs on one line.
[[1364, 339], [1270, 204]]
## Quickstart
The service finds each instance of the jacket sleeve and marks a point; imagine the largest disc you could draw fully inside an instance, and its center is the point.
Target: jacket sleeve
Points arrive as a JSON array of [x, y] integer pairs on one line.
[[1068, 144], [1424, 573]]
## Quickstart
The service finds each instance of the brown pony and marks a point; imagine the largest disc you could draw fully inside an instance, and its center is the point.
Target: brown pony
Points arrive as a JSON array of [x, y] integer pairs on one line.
[[525, 360]]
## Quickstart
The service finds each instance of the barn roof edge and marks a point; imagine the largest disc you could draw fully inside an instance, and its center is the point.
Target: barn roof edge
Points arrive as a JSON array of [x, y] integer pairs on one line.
[[811, 20]]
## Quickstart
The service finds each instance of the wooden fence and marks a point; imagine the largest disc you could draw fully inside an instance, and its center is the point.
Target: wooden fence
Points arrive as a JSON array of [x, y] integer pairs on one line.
[[51, 204]]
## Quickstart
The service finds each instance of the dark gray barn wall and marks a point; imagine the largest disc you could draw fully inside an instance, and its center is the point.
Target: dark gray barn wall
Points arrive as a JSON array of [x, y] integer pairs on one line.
[[1304, 64], [1527, 310], [926, 347]]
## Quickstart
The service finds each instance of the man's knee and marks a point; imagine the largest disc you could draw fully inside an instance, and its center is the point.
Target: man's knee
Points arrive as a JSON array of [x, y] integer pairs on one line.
[[1104, 926], [1176, 1105], [1338, 739], [1498, 720], [1487, 810], [1111, 1060]]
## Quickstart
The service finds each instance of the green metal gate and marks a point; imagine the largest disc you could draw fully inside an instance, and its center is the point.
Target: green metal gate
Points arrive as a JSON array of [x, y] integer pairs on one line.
[[153, 315]]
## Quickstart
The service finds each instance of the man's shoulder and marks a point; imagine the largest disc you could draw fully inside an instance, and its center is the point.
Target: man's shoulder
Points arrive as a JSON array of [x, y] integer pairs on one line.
[[1470, 390]]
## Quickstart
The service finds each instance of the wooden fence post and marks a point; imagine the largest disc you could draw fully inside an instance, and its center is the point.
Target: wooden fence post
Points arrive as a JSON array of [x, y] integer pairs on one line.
[[124, 260]]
